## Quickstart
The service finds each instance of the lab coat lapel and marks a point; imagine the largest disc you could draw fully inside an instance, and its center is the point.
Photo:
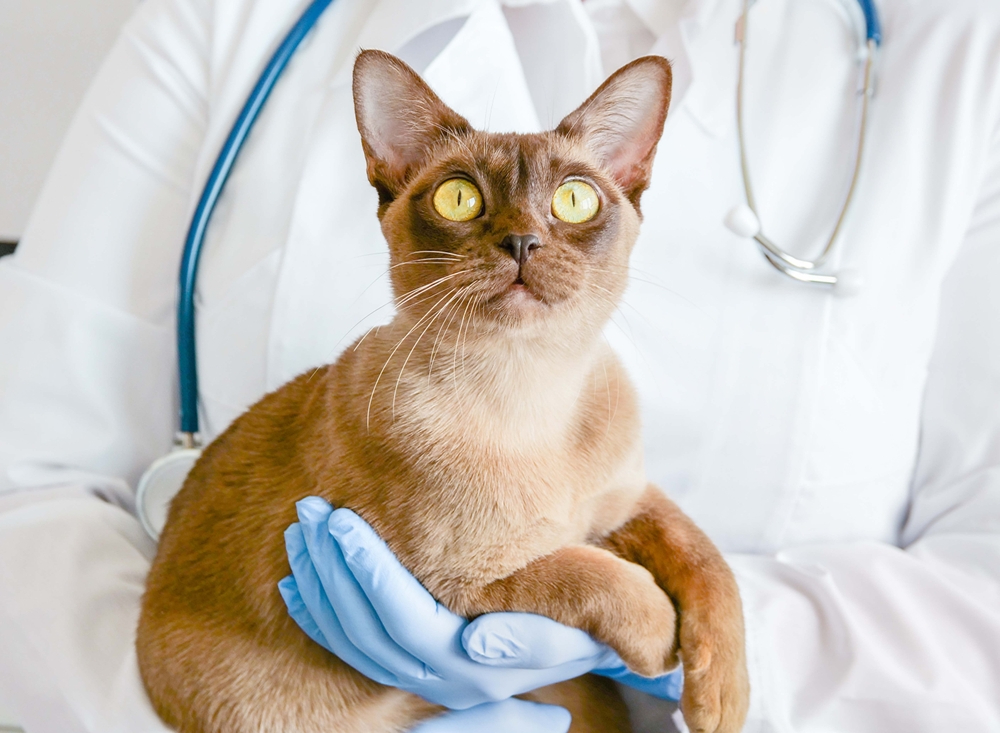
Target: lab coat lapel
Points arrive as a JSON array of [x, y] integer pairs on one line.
[[392, 23], [711, 96], [479, 74], [331, 287], [704, 80], [559, 50]]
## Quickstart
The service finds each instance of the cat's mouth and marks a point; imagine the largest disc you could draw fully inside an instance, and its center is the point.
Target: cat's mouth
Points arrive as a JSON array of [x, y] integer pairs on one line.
[[520, 289], [516, 294]]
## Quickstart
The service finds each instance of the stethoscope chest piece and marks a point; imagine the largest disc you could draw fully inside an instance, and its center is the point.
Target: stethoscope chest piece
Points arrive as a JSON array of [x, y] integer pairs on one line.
[[744, 221], [161, 482]]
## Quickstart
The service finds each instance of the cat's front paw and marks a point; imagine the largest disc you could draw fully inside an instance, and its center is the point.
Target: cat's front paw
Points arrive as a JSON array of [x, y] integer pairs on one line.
[[716, 692], [643, 629]]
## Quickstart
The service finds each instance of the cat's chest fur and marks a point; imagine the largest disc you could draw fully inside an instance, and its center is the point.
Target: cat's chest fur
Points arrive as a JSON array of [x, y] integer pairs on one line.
[[504, 465]]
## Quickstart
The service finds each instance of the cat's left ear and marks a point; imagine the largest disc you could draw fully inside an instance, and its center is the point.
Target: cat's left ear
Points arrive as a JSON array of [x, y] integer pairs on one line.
[[622, 121], [400, 120]]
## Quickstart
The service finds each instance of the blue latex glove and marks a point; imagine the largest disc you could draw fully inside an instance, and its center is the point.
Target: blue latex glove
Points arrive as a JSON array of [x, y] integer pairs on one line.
[[351, 595], [500, 717]]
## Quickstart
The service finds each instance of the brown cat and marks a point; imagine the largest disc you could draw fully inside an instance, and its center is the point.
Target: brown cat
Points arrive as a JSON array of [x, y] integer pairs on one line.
[[488, 434]]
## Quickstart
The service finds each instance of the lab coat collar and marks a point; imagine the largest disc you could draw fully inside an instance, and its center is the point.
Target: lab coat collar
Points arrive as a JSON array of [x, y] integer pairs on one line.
[[659, 15], [688, 33], [704, 79], [394, 22]]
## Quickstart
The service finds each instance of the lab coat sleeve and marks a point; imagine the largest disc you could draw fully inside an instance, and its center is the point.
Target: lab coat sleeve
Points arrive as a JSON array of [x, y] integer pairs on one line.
[[87, 376], [868, 637]]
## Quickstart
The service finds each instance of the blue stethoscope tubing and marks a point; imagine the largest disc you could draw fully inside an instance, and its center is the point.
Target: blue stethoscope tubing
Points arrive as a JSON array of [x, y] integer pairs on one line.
[[873, 24], [186, 361], [165, 476]]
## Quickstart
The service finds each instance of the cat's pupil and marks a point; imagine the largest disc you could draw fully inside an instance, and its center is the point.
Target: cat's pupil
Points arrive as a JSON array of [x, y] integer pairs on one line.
[[572, 198], [460, 197]]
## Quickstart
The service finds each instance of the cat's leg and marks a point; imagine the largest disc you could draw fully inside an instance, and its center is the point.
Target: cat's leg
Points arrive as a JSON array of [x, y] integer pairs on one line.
[[686, 564], [202, 679], [613, 600], [594, 702]]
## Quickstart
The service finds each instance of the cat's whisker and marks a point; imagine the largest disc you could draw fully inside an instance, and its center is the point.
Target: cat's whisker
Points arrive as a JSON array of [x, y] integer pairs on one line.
[[360, 321], [612, 413], [629, 335], [475, 304], [406, 299], [438, 252], [364, 318], [458, 339], [416, 325], [614, 300], [440, 310], [417, 292], [362, 339], [637, 312], [661, 286], [607, 393], [423, 261], [452, 311]]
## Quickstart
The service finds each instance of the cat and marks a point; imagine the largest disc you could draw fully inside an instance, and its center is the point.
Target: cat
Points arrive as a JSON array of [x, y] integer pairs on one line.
[[488, 434]]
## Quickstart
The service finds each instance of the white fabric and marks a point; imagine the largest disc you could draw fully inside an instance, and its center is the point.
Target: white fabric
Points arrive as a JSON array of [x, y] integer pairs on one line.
[[845, 453]]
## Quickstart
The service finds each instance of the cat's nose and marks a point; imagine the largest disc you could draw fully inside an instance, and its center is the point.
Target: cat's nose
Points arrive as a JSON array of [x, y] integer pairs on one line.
[[520, 246]]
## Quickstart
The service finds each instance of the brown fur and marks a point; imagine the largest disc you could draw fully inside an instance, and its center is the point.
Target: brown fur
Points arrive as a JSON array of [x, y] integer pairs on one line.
[[487, 434]]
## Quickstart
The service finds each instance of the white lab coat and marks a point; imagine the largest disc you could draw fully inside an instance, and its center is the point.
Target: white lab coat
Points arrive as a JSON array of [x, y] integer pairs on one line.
[[844, 452]]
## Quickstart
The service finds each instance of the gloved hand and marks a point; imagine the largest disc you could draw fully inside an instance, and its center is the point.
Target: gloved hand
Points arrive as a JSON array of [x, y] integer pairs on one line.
[[351, 595], [500, 717]]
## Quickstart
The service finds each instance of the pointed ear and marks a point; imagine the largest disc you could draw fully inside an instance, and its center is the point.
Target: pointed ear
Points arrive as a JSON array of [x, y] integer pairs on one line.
[[622, 121], [400, 119]]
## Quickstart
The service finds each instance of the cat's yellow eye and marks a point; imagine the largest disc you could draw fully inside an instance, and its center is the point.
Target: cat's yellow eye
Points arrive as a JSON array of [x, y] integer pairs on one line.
[[458, 200], [575, 202]]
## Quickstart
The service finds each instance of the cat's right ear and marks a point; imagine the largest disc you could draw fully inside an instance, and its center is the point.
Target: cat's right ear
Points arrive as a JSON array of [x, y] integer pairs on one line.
[[622, 121], [400, 119]]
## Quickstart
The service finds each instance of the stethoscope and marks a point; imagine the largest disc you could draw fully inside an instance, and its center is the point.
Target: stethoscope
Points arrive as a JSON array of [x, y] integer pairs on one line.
[[744, 221], [163, 479]]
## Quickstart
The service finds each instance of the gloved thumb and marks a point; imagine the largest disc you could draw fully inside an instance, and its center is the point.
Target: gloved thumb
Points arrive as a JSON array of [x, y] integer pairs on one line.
[[529, 641]]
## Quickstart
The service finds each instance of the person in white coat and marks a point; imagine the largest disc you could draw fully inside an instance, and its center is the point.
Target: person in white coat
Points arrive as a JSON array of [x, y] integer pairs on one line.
[[843, 452]]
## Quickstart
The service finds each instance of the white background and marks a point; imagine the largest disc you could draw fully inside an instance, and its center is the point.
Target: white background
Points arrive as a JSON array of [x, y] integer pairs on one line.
[[49, 51]]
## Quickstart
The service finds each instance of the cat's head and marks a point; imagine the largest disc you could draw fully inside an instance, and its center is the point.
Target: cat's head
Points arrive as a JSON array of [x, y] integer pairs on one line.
[[507, 230]]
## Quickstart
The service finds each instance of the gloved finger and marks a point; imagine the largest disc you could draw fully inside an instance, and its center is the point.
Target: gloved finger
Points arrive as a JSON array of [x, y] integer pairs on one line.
[[357, 617], [501, 717], [529, 641], [665, 687], [318, 605], [410, 615], [300, 614]]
